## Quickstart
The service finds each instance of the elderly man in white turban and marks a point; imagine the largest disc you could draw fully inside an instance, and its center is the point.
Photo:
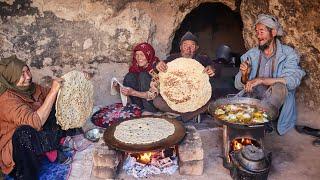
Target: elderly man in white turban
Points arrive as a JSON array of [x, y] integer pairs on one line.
[[271, 71]]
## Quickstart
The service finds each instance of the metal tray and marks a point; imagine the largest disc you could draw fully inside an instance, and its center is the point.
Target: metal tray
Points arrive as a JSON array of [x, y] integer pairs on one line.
[[162, 144]]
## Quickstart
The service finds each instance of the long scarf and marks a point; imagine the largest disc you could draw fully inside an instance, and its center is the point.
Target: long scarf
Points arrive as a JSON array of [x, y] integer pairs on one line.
[[10, 73], [148, 51]]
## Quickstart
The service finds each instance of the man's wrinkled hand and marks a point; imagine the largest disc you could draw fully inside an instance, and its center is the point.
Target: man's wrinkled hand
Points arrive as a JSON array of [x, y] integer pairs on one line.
[[209, 70], [161, 66], [245, 67], [253, 83]]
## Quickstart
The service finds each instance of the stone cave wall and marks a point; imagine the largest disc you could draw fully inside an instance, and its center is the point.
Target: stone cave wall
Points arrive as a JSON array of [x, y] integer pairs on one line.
[[300, 21], [55, 36]]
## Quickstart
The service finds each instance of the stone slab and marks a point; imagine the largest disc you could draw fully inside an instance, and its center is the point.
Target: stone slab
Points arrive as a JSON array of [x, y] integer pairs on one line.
[[191, 148], [103, 172], [194, 168]]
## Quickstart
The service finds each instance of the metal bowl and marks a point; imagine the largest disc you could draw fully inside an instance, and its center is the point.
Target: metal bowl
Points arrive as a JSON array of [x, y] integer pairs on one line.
[[94, 134]]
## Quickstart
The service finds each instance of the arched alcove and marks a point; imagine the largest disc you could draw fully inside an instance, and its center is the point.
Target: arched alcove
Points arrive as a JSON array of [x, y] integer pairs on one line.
[[216, 24]]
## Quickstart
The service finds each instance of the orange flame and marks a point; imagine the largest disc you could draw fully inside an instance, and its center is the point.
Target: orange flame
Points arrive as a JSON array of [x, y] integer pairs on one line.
[[237, 144], [145, 157]]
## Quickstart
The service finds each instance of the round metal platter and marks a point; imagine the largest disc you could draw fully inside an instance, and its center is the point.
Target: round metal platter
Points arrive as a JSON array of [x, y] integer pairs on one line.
[[170, 141], [268, 108]]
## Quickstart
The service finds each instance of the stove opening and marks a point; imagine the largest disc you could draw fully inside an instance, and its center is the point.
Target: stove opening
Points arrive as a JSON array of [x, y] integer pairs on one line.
[[239, 143]]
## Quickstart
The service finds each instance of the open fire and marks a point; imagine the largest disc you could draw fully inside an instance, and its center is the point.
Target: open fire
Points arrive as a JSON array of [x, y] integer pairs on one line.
[[238, 144], [145, 158], [150, 163]]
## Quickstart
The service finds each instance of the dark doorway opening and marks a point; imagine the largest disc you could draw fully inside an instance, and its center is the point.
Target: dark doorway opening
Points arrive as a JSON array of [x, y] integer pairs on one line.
[[215, 24], [218, 27]]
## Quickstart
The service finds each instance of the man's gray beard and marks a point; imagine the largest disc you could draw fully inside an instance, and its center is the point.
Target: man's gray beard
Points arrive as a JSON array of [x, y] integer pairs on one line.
[[265, 45]]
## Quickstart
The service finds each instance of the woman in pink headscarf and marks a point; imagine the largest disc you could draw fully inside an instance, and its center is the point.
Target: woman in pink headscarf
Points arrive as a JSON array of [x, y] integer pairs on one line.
[[139, 81]]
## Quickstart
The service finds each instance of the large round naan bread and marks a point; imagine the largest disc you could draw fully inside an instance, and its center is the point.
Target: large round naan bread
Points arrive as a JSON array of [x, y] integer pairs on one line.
[[75, 101], [143, 130], [184, 86]]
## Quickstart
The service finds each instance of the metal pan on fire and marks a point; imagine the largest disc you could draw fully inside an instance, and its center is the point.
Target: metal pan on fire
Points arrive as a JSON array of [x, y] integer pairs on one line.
[[171, 140], [242, 112]]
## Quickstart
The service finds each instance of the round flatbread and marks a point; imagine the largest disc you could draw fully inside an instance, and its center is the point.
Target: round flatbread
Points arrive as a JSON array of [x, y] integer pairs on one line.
[[74, 101], [143, 130], [184, 86]]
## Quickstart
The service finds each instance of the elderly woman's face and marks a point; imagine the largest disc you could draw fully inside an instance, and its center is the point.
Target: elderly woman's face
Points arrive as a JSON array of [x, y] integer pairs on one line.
[[141, 59], [26, 77]]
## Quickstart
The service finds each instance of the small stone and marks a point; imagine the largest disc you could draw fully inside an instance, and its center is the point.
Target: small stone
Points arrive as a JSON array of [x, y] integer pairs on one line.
[[47, 61], [39, 51], [311, 104], [87, 44], [43, 41], [191, 168], [75, 44], [10, 2]]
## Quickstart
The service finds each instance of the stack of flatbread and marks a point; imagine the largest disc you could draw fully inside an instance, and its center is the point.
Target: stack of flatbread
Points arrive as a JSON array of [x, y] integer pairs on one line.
[[184, 86], [75, 101]]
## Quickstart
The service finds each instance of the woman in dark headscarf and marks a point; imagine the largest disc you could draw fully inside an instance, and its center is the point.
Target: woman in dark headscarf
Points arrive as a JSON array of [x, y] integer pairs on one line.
[[140, 75], [27, 124]]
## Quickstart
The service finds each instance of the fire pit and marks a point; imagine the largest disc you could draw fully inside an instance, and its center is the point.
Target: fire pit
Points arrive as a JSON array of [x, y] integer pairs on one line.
[[144, 159], [151, 163]]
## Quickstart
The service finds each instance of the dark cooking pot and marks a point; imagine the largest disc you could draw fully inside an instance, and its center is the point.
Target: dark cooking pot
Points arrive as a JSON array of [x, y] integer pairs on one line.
[[253, 158], [251, 163], [223, 54], [271, 110]]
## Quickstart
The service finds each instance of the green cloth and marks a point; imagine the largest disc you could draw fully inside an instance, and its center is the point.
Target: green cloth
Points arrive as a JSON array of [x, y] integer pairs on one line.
[[10, 73]]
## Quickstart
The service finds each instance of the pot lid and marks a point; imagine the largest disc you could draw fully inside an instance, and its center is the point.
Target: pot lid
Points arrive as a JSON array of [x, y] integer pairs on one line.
[[252, 153]]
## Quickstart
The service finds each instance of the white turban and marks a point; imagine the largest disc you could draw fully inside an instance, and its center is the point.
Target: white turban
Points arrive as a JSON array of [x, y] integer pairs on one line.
[[271, 22]]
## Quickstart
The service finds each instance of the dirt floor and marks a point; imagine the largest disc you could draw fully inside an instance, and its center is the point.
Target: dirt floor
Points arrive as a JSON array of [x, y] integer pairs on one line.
[[293, 155]]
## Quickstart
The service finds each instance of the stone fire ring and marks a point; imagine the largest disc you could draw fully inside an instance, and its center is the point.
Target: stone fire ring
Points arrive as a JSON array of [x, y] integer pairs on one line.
[[168, 142]]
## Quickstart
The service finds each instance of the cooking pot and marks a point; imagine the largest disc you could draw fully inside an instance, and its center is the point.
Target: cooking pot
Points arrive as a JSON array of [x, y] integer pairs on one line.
[[250, 162], [223, 54], [253, 158]]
